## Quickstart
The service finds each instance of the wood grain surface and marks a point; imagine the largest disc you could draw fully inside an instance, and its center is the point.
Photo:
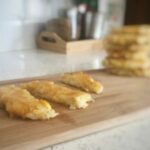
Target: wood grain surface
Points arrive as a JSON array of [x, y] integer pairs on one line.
[[124, 99]]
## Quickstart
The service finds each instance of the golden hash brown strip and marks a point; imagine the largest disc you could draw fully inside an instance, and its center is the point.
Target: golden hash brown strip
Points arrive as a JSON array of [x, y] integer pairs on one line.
[[20, 103]]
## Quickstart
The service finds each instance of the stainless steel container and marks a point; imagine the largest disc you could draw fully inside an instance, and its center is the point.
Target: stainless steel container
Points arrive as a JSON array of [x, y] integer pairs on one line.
[[96, 29]]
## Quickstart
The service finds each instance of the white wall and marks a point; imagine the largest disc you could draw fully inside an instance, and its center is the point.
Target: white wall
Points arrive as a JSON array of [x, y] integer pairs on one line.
[[22, 20]]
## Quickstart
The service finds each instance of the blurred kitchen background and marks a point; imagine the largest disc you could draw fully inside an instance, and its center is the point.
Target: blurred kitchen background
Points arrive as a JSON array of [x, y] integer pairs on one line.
[[22, 20]]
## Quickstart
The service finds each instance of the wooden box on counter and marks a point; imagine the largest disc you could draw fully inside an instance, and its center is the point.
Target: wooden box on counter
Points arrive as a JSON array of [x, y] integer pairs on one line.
[[51, 41]]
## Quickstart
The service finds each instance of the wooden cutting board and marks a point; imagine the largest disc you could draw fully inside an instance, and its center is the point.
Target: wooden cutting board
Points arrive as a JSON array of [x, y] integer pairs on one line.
[[124, 99]]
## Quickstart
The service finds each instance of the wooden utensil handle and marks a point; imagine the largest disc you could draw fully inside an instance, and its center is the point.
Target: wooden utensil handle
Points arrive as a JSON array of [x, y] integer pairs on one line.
[[50, 37], [51, 41]]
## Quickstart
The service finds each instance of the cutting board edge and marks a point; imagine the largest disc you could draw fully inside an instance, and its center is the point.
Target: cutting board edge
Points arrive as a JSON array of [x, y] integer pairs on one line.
[[82, 131]]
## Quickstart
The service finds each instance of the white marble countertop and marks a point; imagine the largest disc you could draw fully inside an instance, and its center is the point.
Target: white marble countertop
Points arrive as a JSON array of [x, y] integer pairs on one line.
[[30, 63]]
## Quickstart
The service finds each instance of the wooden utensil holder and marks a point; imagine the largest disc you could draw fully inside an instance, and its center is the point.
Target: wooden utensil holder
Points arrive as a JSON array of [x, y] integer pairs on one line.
[[51, 41]]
